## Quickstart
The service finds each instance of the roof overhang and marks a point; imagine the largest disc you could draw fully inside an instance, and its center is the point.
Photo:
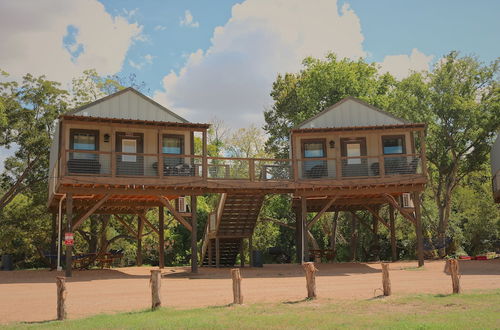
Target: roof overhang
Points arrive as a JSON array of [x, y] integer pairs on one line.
[[133, 122], [414, 126]]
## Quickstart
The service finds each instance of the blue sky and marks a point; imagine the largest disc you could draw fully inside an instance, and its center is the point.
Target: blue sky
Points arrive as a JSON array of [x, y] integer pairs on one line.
[[210, 60], [389, 27], [218, 59]]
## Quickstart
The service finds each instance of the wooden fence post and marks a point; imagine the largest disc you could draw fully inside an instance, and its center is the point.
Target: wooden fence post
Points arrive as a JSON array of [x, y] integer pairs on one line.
[[386, 282], [454, 271], [61, 297], [155, 283], [237, 296], [310, 279]]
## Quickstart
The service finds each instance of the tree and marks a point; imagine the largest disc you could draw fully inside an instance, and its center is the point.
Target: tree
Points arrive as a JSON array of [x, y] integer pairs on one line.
[[30, 110], [320, 84], [460, 103]]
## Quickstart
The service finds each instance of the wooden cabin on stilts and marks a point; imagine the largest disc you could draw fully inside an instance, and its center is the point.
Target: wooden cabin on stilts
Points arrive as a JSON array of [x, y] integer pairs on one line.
[[125, 155]]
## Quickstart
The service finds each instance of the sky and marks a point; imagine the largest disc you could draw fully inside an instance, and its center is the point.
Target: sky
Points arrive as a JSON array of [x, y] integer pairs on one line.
[[218, 59]]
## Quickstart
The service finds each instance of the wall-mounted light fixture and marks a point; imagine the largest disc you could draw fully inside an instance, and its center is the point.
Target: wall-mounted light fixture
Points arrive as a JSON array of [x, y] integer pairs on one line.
[[332, 144], [106, 137]]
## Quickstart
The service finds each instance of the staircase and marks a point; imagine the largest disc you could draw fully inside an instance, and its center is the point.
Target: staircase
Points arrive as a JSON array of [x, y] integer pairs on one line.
[[233, 221]]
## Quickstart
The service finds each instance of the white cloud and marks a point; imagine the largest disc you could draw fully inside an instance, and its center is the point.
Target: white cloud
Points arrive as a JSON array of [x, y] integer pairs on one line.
[[401, 66], [188, 20], [160, 28], [62, 38], [233, 78], [146, 59]]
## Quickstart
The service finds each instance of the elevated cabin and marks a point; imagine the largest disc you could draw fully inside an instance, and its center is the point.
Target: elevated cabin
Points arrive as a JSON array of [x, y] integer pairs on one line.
[[495, 169], [125, 154]]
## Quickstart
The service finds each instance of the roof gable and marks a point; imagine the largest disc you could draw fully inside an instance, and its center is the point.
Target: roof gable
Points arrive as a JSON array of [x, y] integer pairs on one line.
[[128, 104], [351, 112]]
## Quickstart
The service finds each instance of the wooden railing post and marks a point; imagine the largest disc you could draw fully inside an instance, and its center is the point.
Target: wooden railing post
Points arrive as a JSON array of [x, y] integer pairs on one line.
[[155, 283], [204, 168], [237, 296], [310, 279], [251, 169], [61, 297], [386, 282]]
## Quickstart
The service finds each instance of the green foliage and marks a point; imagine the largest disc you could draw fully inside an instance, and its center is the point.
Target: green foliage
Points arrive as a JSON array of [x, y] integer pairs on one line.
[[320, 84]]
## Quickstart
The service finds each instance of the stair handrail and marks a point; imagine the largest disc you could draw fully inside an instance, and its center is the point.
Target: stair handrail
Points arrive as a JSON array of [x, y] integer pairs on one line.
[[220, 209], [204, 245]]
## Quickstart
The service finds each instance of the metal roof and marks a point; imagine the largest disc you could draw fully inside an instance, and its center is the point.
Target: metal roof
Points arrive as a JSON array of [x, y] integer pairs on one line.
[[128, 104], [351, 112]]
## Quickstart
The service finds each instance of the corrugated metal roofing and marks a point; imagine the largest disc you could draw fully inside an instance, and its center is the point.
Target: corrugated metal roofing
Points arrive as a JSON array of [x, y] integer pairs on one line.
[[128, 104], [351, 112]]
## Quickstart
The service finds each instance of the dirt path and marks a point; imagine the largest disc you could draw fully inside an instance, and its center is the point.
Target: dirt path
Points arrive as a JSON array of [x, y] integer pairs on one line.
[[31, 295]]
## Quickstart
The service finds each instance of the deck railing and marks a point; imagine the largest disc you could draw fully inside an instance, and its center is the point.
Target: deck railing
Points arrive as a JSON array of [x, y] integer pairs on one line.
[[122, 164]]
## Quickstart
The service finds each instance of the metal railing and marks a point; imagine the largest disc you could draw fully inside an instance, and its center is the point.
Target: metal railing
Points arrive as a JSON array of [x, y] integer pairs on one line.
[[122, 164]]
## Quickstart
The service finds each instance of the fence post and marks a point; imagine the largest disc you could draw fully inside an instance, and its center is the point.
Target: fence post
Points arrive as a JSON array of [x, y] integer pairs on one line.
[[310, 279], [155, 283], [454, 271], [61, 297], [237, 296], [386, 282]]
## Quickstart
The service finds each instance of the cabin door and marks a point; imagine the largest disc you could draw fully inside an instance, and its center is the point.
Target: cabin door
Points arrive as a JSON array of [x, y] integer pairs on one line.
[[129, 160], [354, 162]]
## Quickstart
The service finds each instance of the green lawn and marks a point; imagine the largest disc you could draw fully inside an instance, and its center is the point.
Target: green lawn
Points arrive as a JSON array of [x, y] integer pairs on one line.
[[476, 310]]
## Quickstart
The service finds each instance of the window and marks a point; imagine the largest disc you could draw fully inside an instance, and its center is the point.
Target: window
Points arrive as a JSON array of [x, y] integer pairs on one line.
[[173, 144], [81, 139], [129, 146], [317, 168], [313, 149], [393, 145]]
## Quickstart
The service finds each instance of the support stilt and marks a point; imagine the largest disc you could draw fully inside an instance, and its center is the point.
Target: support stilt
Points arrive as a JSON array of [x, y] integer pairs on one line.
[[194, 236], [418, 228], [140, 227], [394, 252], [161, 228], [217, 253], [303, 224], [69, 248], [354, 237]]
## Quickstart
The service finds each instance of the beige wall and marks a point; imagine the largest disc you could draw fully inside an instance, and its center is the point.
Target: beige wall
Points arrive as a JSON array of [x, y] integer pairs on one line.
[[373, 145], [150, 141]]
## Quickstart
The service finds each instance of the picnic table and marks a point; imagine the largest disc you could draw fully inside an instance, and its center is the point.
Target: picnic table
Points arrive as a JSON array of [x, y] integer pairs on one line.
[[314, 254]]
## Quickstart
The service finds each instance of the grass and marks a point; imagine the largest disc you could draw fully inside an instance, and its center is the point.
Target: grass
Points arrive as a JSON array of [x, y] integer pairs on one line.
[[479, 310]]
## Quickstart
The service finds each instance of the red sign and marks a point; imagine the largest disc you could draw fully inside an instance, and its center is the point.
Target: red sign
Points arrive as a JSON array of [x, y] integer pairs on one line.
[[68, 239]]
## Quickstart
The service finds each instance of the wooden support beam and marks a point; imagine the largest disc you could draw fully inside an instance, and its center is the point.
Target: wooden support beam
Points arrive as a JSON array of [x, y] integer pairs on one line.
[[320, 213], [90, 211], [217, 252], [140, 227], [361, 221], [174, 213], [377, 216], [303, 219], [394, 252], [161, 243], [69, 248], [418, 229], [194, 236], [126, 225], [333, 239], [390, 199], [150, 225], [354, 237]]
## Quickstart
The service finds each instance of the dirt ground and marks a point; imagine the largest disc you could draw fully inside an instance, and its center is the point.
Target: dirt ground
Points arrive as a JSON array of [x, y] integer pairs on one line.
[[31, 295]]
